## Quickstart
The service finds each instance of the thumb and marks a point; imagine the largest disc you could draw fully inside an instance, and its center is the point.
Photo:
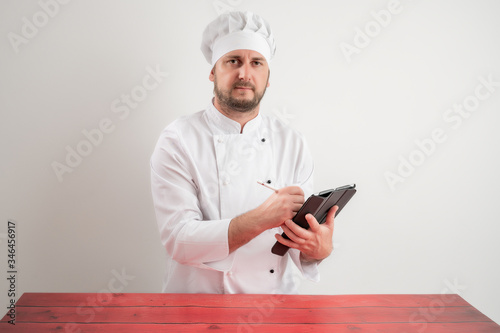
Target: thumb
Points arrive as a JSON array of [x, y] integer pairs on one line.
[[331, 215]]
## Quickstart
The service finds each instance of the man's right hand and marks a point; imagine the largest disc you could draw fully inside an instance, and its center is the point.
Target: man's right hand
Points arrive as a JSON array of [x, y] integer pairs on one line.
[[282, 205]]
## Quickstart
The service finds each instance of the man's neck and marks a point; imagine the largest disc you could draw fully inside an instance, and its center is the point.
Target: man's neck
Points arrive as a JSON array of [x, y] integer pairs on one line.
[[241, 117]]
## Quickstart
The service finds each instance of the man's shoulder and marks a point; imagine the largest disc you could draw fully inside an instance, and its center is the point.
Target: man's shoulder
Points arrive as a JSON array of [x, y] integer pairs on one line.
[[188, 124], [186, 121], [183, 126]]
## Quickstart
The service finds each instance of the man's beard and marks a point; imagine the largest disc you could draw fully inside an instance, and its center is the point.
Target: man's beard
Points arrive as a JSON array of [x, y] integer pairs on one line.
[[226, 100]]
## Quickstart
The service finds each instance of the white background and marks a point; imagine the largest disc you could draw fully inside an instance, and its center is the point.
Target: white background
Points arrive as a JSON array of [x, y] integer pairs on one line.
[[362, 114]]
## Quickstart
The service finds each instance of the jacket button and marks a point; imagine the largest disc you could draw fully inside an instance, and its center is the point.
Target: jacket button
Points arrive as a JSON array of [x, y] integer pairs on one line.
[[271, 271]]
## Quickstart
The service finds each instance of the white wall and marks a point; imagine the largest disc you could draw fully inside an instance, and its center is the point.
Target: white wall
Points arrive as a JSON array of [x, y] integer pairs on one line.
[[435, 230]]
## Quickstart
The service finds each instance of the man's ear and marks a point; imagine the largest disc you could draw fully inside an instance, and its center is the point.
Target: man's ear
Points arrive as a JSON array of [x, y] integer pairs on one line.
[[211, 77]]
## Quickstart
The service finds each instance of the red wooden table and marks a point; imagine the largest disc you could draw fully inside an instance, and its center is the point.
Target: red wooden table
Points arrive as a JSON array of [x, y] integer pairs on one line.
[[80, 312]]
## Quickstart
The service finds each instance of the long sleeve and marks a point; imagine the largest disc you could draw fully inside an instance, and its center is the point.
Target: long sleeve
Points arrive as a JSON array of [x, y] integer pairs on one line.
[[186, 236]]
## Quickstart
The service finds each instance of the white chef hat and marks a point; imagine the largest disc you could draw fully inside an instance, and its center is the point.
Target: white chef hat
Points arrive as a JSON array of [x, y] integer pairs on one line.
[[237, 31]]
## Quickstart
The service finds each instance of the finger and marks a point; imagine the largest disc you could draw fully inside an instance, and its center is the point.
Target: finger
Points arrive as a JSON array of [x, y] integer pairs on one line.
[[331, 215], [291, 235], [294, 190], [297, 231], [296, 207], [297, 190], [296, 198], [286, 242], [313, 223]]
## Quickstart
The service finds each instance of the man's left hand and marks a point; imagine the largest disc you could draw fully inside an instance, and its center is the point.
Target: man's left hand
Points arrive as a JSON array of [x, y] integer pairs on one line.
[[315, 243]]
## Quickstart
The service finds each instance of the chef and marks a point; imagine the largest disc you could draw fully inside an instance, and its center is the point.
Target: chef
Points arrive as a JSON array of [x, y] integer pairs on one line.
[[216, 223]]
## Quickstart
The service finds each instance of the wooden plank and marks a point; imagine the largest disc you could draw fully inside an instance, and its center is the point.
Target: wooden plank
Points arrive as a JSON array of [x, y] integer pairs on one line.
[[488, 327], [216, 315], [82, 312], [238, 300]]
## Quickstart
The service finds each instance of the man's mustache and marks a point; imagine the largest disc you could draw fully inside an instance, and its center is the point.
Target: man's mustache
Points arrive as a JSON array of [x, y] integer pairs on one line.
[[244, 85]]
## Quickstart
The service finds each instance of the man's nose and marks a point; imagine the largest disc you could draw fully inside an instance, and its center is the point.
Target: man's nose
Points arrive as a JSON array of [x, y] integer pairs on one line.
[[244, 73]]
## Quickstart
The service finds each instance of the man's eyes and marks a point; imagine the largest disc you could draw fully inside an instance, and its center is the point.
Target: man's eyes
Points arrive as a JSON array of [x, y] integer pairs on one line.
[[236, 61]]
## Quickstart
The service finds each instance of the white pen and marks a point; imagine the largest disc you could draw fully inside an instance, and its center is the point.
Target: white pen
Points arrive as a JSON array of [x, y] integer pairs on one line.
[[269, 187]]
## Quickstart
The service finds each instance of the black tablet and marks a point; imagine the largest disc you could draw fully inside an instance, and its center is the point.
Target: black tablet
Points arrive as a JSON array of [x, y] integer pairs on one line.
[[318, 205]]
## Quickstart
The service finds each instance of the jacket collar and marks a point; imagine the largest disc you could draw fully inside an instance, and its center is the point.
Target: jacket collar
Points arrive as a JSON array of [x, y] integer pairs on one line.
[[224, 125]]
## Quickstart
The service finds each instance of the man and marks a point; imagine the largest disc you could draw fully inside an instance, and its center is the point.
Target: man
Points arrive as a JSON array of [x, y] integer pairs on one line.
[[216, 223]]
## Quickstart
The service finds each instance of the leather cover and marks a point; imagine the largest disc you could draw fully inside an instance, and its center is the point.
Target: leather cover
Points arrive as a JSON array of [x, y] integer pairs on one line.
[[318, 205]]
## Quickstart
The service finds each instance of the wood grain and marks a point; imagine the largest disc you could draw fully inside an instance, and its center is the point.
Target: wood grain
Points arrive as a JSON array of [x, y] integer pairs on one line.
[[89, 312]]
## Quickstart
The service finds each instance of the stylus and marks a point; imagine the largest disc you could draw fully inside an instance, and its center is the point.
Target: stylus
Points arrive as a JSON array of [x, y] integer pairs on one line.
[[269, 187]]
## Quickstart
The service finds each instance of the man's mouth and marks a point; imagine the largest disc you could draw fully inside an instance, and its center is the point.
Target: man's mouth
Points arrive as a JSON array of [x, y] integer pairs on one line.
[[243, 88]]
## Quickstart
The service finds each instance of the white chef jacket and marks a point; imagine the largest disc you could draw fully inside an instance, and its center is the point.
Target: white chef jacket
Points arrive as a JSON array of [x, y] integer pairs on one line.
[[204, 172]]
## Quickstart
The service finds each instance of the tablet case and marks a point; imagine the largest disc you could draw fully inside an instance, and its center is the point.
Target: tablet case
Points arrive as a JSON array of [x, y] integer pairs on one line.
[[318, 205]]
